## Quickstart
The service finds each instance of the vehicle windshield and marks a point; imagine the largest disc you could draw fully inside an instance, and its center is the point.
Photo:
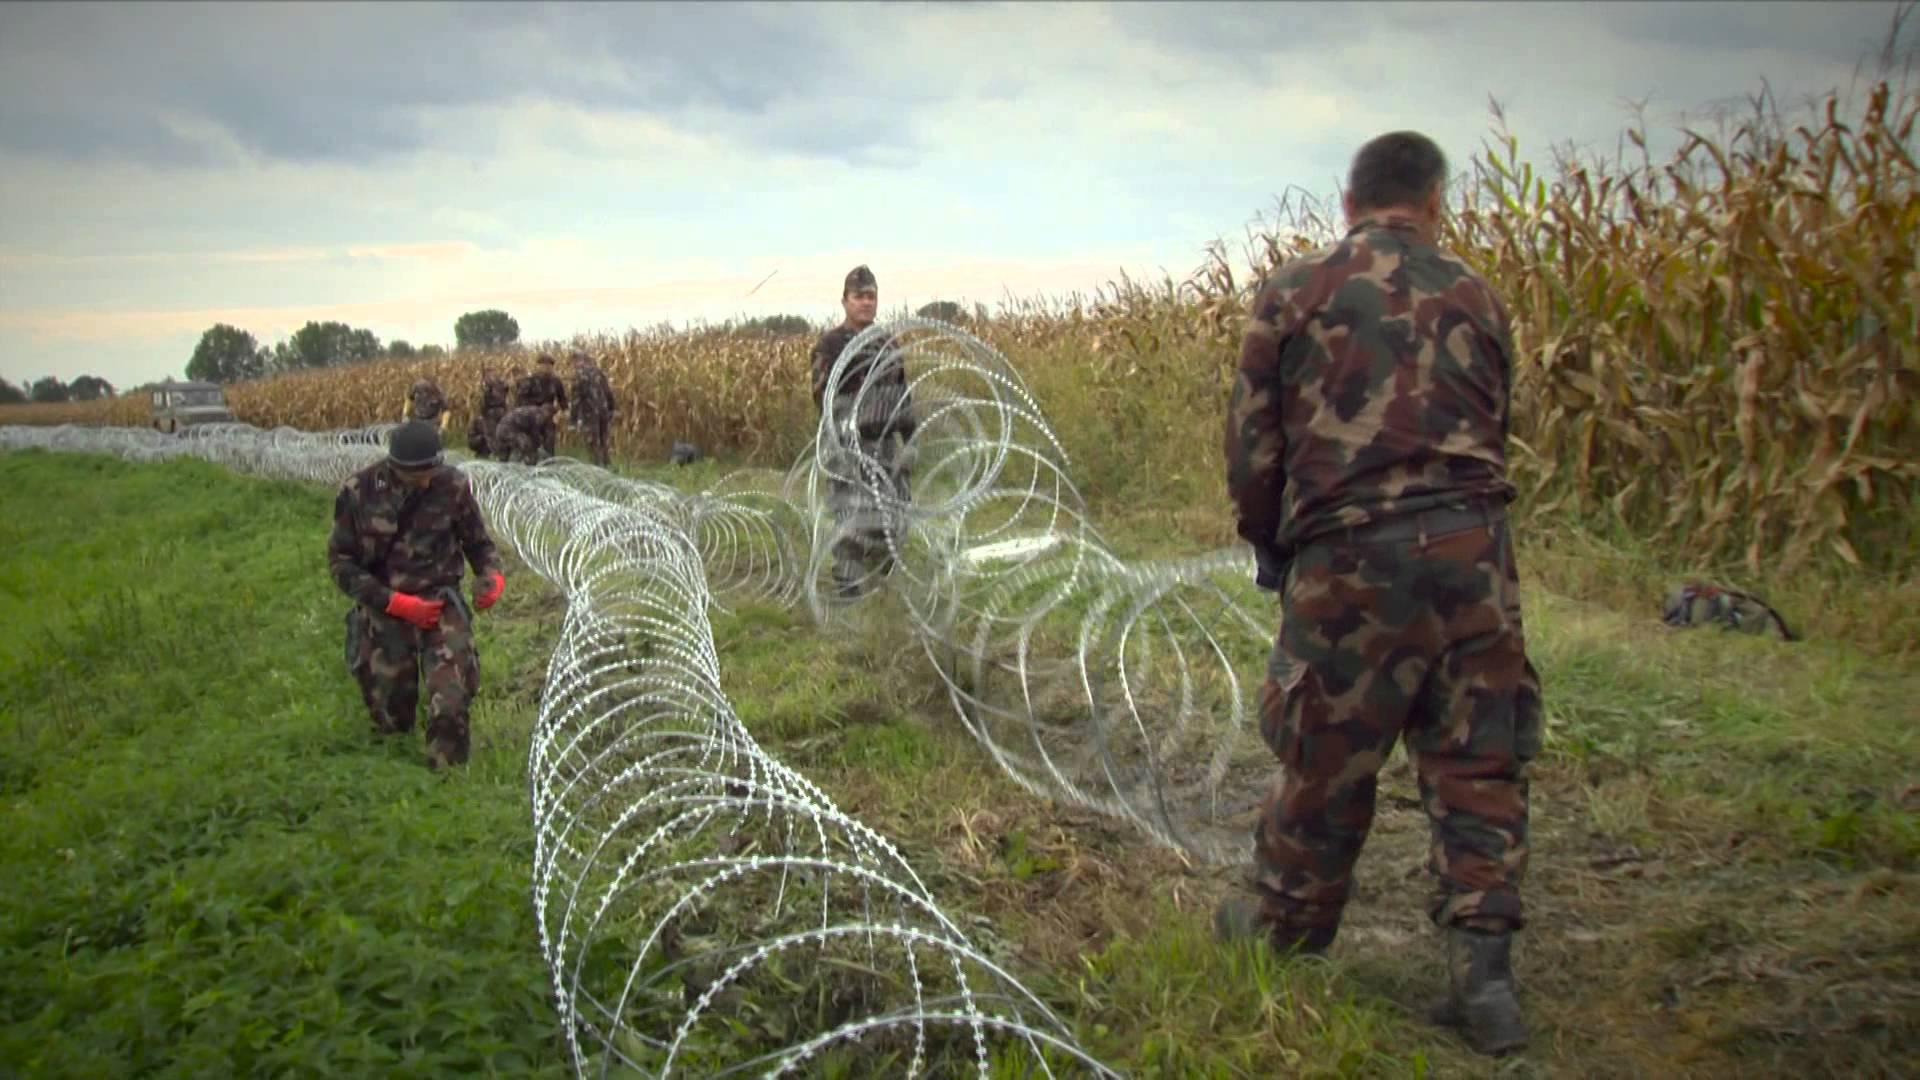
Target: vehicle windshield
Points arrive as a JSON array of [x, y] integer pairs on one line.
[[196, 397]]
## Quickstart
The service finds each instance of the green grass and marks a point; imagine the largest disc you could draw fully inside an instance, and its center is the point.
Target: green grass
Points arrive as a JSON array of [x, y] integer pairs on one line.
[[1725, 880], [215, 869], [227, 874]]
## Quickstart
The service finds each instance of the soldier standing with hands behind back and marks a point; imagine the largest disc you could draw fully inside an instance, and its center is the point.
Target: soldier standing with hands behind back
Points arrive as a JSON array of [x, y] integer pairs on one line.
[[1366, 457], [401, 528]]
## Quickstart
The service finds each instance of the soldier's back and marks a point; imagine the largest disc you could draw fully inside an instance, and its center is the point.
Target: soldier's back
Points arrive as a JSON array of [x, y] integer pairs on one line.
[[1393, 378]]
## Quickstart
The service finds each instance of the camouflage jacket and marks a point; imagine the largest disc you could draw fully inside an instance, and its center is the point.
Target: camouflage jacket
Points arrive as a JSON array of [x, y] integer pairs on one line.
[[876, 408], [540, 388], [493, 395], [1374, 382], [592, 393], [425, 400], [528, 420], [445, 527]]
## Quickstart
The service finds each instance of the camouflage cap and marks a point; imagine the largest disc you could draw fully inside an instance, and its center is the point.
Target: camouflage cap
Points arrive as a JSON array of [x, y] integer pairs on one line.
[[859, 278], [414, 445], [546, 358], [579, 356]]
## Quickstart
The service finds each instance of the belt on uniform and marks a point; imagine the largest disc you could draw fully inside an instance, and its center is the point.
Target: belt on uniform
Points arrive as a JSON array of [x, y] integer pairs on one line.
[[1421, 525]]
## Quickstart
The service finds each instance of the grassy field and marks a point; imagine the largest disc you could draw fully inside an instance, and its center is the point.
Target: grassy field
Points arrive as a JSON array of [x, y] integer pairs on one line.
[[226, 873]]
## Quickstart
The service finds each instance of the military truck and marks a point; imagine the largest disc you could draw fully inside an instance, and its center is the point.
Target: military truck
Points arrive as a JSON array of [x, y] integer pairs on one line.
[[178, 405]]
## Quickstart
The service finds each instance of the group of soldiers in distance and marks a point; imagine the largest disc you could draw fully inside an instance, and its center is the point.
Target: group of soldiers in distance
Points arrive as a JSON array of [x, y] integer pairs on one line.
[[526, 430]]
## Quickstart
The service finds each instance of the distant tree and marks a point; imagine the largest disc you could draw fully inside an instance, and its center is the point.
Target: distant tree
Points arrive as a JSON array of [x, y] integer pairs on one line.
[[362, 345], [488, 329], [227, 354], [400, 350], [48, 389], [327, 344], [945, 310], [89, 388], [431, 352], [11, 394]]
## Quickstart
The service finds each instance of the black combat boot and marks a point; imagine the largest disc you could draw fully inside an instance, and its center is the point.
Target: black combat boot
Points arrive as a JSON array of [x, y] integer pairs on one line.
[[1480, 991], [1238, 919]]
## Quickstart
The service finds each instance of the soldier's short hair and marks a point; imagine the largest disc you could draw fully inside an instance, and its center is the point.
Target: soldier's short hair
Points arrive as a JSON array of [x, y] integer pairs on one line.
[[546, 358], [858, 278], [1400, 168]]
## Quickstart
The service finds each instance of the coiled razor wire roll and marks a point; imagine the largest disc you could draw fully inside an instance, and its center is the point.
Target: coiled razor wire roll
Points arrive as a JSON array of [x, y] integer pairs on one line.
[[1111, 685], [702, 908]]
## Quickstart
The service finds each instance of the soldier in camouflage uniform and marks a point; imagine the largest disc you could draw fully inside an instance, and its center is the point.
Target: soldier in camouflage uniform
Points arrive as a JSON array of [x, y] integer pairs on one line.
[[426, 402], [1365, 446], [493, 407], [401, 528], [884, 423], [520, 432], [593, 407], [493, 396], [543, 387]]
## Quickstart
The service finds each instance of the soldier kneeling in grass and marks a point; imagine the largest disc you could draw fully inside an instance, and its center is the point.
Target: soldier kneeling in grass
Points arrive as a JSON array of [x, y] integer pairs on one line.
[[400, 530]]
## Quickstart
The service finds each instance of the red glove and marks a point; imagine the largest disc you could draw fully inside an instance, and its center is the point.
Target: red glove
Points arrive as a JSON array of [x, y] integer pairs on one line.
[[424, 614], [496, 584]]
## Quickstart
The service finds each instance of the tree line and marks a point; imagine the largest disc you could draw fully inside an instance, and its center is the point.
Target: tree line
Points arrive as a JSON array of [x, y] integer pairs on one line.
[[229, 354], [49, 389]]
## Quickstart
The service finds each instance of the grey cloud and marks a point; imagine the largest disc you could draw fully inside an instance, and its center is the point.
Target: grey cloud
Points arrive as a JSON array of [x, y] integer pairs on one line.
[[352, 82], [1828, 31], [1241, 31], [1832, 31]]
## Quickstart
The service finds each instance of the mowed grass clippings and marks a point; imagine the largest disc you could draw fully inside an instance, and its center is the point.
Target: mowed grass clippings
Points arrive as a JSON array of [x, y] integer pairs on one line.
[[215, 868]]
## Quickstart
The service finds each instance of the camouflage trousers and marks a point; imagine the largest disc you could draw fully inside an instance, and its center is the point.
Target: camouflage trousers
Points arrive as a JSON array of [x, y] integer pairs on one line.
[[597, 430], [510, 445], [549, 438], [477, 437], [860, 520], [1420, 638], [486, 426], [390, 659]]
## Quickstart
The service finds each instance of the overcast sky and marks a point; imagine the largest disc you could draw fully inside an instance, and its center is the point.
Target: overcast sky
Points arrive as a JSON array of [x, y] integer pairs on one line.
[[593, 167]]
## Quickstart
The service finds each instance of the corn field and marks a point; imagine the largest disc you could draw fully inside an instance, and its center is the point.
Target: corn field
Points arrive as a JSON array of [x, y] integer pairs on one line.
[[1717, 351]]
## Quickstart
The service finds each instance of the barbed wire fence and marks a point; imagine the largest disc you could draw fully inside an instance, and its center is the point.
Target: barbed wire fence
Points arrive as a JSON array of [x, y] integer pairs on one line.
[[684, 879]]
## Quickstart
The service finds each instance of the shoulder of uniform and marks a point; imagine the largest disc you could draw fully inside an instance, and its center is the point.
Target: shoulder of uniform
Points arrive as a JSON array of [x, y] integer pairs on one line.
[[1294, 276], [450, 483], [355, 487]]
